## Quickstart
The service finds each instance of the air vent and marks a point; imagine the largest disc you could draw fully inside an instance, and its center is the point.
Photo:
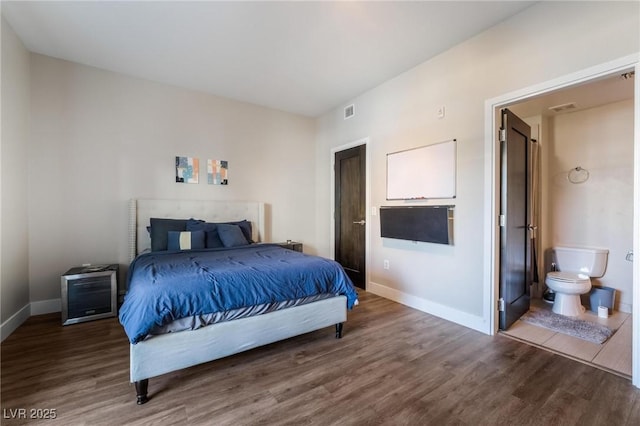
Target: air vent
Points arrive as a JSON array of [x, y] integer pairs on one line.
[[349, 112], [563, 107]]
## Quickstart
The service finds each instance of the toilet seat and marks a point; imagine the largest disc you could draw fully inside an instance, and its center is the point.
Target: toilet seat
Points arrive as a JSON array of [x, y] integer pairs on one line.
[[568, 277]]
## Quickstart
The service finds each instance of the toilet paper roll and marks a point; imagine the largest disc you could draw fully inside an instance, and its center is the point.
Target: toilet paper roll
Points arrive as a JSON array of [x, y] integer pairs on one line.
[[603, 312]]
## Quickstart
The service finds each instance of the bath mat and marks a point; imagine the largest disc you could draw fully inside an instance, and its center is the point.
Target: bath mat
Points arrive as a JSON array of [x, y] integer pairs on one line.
[[581, 329]]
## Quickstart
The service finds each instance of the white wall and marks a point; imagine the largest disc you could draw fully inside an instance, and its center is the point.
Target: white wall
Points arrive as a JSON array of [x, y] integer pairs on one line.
[[546, 41], [14, 258], [598, 212], [99, 138]]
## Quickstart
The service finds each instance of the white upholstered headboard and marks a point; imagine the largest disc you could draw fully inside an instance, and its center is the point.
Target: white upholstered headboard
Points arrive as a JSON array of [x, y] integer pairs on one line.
[[142, 210]]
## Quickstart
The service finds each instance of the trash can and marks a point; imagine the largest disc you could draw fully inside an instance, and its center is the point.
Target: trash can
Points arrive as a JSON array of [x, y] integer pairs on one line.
[[602, 296]]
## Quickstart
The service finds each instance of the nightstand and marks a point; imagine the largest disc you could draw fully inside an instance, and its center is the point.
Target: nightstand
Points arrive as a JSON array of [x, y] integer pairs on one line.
[[291, 245]]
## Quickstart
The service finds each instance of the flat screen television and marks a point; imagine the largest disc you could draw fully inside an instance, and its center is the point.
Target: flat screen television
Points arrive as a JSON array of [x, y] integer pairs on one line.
[[429, 224]]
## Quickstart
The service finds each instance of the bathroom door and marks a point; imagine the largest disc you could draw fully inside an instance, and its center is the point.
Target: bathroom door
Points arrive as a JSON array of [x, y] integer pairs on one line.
[[515, 219]]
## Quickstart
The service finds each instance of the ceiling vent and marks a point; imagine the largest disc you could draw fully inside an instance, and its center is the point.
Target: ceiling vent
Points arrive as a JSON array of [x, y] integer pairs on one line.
[[349, 112], [563, 107]]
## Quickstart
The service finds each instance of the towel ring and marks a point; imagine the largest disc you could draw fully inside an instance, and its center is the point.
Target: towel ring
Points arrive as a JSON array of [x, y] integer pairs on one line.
[[578, 175]]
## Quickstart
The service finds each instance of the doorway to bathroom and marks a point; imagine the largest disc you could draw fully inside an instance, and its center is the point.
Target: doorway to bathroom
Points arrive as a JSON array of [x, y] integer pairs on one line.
[[565, 219]]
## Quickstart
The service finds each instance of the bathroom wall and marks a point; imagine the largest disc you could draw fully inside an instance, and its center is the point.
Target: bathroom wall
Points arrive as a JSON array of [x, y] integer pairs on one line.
[[598, 212]]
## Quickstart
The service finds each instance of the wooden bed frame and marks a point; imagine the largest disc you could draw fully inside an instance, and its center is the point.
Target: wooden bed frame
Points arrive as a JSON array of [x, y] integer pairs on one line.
[[174, 351]]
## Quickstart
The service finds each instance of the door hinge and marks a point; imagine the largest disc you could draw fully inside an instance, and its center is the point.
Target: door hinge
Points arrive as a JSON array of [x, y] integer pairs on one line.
[[501, 305], [502, 135], [502, 219]]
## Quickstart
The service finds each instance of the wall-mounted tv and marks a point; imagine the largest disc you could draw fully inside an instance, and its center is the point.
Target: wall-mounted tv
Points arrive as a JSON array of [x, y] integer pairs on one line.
[[430, 224]]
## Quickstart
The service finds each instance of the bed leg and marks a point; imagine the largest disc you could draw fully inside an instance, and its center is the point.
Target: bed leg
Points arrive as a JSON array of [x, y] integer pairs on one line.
[[339, 331], [141, 391]]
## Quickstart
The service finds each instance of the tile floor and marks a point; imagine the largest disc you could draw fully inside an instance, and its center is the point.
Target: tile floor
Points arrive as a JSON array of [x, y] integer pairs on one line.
[[613, 356]]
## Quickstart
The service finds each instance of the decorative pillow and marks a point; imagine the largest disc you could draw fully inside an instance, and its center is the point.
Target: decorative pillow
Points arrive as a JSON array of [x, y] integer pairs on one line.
[[160, 229], [200, 225], [212, 238], [231, 235], [245, 227], [185, 240]]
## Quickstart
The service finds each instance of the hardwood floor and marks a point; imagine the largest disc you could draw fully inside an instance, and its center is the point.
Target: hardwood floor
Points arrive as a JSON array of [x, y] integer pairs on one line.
[[394, 366]]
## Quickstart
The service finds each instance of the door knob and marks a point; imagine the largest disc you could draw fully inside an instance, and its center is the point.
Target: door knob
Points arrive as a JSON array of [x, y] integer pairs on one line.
[[360, 222]]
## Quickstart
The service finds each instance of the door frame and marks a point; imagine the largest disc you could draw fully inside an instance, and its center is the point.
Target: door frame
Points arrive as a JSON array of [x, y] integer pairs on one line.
[[492, 188], [332, 221]]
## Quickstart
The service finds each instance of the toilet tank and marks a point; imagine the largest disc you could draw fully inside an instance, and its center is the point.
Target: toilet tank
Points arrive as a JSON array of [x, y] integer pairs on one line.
[[587, 260]]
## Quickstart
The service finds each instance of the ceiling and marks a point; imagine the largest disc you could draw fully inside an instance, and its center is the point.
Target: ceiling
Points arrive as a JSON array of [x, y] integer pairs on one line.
[[302, 57], [609, 89]]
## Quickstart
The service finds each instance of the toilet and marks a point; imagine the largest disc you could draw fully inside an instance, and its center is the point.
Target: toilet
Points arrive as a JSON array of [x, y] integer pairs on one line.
[[576, 265]]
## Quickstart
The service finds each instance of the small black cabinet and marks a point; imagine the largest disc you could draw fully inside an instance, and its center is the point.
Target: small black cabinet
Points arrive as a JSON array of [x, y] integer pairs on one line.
[[291, 245]]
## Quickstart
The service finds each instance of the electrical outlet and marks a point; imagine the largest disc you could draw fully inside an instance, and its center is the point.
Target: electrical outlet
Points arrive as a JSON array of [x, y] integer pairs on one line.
[[385, 264]]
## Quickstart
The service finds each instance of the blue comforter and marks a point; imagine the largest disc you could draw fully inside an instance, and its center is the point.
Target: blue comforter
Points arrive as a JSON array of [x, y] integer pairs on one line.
[[165, 286]]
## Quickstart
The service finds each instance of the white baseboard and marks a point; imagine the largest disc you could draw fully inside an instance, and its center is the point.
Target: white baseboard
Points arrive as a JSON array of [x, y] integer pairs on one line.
[[625, 307], [445, 312], [15, 321], [42, 307], [463, 318]]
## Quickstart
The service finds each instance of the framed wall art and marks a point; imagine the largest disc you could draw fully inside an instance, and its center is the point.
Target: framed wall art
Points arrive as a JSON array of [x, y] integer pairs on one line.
[[217, 171], [187, 170]]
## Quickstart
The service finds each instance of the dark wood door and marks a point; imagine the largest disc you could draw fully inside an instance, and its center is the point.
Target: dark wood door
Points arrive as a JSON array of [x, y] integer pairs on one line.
[[515, 219], [350, 205]]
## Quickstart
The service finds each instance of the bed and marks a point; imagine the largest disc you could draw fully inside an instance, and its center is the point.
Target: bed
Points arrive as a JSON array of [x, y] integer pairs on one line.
[[187, 304]]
